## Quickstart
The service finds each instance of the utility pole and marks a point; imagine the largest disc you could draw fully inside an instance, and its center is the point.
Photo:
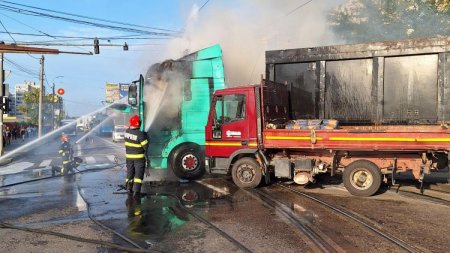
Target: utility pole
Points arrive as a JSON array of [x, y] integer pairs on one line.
[[53, 106], [1, 108], [41, 91]]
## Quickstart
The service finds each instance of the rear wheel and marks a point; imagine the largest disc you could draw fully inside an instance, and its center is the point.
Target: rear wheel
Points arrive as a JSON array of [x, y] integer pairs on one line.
[[187, 162], [246, 173], [362, 178]]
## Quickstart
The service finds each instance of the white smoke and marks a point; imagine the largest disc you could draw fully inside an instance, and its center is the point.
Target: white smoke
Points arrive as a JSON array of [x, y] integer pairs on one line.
[[245, 30]]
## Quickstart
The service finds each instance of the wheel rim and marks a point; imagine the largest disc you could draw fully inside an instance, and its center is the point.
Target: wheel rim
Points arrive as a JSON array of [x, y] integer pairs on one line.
[[246, 173], [361, 179], [189, 162]]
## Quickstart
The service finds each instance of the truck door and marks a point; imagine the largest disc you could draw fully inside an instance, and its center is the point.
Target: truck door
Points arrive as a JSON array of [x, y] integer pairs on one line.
[[232, 120]]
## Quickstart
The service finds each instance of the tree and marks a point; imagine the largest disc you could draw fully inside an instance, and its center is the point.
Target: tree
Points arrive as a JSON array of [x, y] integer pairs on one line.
[[369, 20], [30, 106]]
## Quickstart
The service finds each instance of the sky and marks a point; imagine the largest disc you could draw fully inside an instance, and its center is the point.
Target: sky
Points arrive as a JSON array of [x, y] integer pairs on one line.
[[244, 29]]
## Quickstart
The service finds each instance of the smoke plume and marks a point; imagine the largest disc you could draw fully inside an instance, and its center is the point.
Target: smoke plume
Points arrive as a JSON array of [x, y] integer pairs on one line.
[[246, 29]]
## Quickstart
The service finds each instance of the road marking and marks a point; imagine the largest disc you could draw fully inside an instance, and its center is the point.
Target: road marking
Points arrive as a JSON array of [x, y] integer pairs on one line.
[[79, 150], [90, 159], [45, 163], [15, 168]]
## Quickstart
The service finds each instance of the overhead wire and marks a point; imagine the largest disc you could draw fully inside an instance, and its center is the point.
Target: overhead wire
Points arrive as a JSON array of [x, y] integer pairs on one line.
[[7, 31], [92, 18], [299, 7], [84, 22]]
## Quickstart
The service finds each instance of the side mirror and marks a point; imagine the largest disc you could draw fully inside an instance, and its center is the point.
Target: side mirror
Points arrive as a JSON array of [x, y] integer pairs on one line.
[[132, 94]]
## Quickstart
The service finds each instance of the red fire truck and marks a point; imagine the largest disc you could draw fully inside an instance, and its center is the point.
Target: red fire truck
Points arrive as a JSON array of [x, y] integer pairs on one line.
[[363, 133]]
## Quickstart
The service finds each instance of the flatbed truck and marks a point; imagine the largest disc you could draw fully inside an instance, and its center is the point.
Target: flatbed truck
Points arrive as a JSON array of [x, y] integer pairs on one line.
[[365, 111]]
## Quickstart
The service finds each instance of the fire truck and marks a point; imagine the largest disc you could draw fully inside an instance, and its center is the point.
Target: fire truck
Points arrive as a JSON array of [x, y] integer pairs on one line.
[[364, 111]]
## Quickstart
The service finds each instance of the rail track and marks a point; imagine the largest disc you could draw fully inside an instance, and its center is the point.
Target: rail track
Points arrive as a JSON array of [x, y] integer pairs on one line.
[[424, 196], [352, 216], [319, 242]]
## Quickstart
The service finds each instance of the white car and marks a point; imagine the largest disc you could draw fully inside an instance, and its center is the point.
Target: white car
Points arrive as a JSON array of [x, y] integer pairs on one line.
[[118, 133]]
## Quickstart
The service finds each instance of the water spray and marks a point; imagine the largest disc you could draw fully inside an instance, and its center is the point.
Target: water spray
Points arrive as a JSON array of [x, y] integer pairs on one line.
[[55, 131], [93, 129]]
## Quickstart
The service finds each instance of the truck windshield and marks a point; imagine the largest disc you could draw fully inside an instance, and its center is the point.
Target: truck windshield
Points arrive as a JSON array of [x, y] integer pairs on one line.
[[229, 108]]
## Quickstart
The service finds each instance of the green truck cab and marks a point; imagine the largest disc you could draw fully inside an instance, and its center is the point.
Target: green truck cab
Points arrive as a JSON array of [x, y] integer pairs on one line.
[[176, 98]]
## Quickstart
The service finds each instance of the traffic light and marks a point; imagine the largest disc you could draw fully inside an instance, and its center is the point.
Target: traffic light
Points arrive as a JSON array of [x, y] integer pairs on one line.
[[5, 104], [96, 47]]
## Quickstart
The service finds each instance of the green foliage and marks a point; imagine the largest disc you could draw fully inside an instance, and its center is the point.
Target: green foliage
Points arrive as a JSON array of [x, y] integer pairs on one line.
[[377, 20], [30, 106]]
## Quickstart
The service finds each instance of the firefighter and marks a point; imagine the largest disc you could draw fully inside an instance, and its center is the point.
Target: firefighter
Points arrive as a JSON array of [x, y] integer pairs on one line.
[[66, 153], [136, 144]]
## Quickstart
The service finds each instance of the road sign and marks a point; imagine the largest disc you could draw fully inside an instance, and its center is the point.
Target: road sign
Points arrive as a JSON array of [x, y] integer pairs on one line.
[[60, 91]]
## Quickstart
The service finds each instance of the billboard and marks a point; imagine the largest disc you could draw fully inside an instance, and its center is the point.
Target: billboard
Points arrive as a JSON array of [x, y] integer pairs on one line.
[[123, 90], [112, 92]]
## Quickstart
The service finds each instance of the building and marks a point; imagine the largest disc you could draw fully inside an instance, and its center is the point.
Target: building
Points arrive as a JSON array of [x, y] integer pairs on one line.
[[19, 90]]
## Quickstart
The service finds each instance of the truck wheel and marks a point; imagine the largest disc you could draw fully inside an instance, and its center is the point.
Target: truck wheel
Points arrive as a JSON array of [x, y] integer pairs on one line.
[[188, 162], [246, 173], [362, 178]]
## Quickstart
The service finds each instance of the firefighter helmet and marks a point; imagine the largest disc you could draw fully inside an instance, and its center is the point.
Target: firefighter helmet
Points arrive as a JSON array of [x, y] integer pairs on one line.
[[135, 121], [64, 138]]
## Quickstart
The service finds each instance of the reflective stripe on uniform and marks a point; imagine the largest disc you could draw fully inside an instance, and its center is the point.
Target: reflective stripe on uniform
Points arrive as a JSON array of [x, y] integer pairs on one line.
[[60, 151], [138, 180], [134, 145], [144, 142], [134, 155], [62, 170], [66, 162]]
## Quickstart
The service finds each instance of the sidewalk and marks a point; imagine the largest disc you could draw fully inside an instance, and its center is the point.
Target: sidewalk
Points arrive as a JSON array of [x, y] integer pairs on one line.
[[15, 144]]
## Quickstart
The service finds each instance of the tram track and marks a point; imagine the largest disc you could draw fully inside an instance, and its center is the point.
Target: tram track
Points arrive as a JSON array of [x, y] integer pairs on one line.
[[424, 196], [209, 224], [319, 241], [352, 216]]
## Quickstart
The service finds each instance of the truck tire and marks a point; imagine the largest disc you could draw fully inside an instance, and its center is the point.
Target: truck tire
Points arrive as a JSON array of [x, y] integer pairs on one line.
[[246, 173], [188, 162], [362, 178]]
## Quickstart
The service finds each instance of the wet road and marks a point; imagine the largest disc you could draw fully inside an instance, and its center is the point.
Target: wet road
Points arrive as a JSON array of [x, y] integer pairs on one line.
[[209, 215]]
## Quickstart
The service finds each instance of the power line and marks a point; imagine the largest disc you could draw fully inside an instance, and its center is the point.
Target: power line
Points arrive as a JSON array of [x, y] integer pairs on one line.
[[84, 22], [7, 31], [203, 5], [92, 18], [20, 22], [116, 37], [298, 7]]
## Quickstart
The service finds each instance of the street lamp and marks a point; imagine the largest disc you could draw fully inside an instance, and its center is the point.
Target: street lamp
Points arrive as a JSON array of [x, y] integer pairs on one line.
[[53, 102]]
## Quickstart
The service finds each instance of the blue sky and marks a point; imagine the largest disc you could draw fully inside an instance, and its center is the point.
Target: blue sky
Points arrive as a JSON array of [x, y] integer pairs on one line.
[[83, 77]]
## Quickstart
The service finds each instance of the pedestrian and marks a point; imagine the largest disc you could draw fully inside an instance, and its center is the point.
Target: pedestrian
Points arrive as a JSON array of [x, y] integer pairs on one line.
[[14, 133], [136, 144], [22, 133], [8, 136], [66, 153]]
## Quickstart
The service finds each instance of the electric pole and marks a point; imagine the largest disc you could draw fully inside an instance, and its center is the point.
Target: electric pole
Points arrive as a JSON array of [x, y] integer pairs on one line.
[[1, 108], [41, 91], [53, 106]]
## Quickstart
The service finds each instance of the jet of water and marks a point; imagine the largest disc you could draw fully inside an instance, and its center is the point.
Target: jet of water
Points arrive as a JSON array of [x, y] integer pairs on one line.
[[54, 132], [93, 129]]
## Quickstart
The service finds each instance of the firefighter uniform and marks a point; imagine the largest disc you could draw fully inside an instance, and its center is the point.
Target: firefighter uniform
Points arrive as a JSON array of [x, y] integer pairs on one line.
[[136, 144], [66, 153]]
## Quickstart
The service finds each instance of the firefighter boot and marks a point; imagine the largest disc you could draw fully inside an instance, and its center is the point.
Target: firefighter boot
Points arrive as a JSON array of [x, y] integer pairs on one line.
[[129, 187]]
